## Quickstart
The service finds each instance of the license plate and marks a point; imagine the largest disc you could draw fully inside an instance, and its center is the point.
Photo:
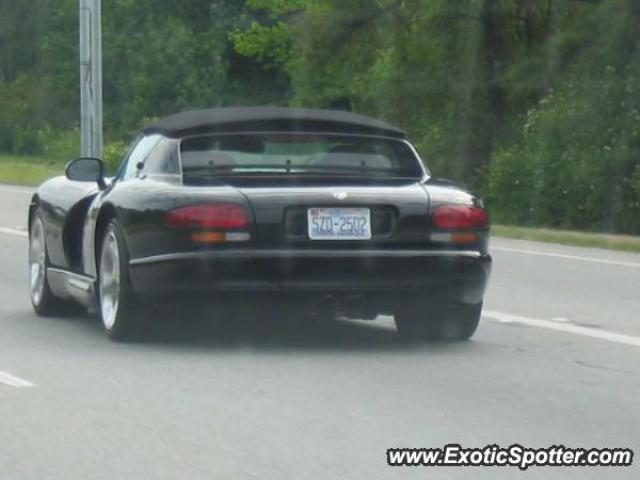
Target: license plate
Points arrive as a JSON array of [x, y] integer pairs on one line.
[[339, 223]]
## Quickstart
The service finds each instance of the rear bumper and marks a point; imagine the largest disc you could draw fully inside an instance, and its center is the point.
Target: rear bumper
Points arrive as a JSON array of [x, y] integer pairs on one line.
[[459, 276]]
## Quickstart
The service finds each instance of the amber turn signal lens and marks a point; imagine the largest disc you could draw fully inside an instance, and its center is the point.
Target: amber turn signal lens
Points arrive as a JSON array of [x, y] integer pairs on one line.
[[208, 237], [464, 237]]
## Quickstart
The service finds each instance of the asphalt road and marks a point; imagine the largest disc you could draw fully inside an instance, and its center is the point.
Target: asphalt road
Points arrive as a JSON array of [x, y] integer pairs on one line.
[[556, 361]]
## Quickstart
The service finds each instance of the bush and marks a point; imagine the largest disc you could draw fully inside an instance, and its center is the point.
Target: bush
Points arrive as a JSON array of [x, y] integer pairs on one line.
[[59, 145], [113, 153], [576, 164], [510, 188], [568, 172]]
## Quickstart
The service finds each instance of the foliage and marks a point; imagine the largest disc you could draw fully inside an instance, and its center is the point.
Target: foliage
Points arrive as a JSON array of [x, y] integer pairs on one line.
[[534, 103], [577, 162], [113, 153]]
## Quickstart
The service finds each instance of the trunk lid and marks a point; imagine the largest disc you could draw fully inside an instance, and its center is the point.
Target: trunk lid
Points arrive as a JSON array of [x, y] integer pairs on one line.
[[279, 205]]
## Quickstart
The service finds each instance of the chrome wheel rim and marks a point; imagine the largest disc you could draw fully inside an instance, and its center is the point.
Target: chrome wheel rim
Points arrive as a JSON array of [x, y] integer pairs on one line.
[[109, 281], [37, 259]]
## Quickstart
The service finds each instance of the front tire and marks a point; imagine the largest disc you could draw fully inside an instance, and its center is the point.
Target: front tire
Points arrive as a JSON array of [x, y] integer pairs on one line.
[[118, 308], [451, 325]]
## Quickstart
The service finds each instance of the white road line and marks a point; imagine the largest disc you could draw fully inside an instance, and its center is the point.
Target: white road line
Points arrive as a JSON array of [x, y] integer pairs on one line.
[[13, 231], [16, 190], [14, 381], [568, 257], [564, 327]]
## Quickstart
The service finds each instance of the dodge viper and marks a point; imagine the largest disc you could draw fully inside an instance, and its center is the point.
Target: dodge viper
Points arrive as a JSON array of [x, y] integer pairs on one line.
[[332, 211]]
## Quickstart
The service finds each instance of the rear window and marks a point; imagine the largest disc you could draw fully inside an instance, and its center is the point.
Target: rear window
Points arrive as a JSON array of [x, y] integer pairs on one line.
[[297, 154]]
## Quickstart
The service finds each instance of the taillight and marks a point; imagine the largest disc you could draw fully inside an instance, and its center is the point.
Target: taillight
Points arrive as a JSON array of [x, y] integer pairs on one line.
[[222, 216], [460, 216]]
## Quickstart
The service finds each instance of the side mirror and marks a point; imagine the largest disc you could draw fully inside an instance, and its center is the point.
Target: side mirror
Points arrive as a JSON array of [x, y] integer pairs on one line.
[[86, 169]]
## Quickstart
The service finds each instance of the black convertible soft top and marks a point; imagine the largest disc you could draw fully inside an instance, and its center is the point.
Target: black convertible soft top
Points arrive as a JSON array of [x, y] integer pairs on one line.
[[262, 119]]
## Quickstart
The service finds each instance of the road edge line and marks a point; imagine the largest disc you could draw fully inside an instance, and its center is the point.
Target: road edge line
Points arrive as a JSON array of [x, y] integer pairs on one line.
[[567, 257], [14, 381], [12, 231], [614, 337]]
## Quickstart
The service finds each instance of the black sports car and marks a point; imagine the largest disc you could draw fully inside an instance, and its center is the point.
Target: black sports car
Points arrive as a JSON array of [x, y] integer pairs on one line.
[[329, 210]]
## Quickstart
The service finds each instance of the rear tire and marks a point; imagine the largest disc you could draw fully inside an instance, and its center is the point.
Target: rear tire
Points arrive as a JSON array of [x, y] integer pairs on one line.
[[44, 302], [451, 325], [118, 308]]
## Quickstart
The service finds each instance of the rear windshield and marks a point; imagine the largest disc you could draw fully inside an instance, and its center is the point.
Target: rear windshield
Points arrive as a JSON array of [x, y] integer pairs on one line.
[[303, 154]]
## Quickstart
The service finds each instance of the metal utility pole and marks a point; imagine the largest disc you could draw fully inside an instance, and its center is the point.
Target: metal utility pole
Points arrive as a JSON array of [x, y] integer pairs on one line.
[[90, 78]]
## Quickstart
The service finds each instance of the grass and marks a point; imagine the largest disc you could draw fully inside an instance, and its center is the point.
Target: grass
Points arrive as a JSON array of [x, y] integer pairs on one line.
[[625, 243], [28, 170]]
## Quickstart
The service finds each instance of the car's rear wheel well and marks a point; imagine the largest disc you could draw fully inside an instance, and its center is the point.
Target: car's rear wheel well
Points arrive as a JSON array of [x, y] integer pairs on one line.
[[33, 206], [106, 214]]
